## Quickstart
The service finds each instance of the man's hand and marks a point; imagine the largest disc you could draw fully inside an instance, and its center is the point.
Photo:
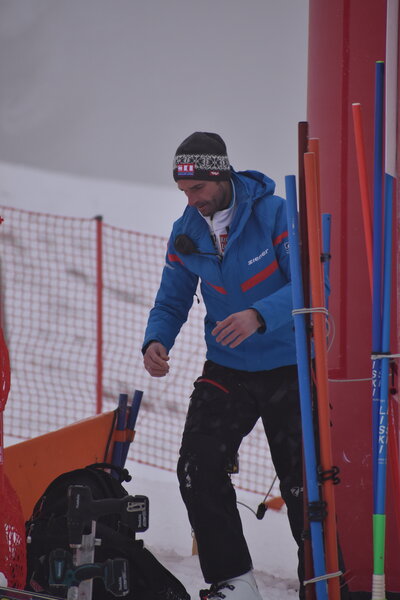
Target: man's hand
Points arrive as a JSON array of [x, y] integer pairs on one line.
[[156, 360], [236, 328]]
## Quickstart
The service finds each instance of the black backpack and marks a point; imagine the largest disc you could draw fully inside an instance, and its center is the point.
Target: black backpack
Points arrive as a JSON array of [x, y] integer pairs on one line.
[[48, 533]]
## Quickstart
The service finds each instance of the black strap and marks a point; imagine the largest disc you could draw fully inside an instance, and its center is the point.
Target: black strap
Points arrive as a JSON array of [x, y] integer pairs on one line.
[[123, 474]]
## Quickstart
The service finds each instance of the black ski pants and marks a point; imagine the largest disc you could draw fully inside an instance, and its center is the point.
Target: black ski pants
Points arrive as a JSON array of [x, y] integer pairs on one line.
[[224, 407]]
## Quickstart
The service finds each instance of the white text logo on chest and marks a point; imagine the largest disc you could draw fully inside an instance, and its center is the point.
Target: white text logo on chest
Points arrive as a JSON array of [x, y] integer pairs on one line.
[[259, 257]]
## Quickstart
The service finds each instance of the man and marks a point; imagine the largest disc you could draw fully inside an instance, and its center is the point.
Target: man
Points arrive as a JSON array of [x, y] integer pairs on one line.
[[232, 237]]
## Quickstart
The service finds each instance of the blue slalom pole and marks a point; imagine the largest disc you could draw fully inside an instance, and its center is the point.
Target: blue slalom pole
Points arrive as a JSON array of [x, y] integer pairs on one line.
[[131, 422], [120, 427], [326, 248], [385, 364], [377, 262], [303, 367], [379, 517]]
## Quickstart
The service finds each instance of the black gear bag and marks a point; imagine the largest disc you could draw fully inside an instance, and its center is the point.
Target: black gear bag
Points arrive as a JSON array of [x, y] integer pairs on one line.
[[49, 534]]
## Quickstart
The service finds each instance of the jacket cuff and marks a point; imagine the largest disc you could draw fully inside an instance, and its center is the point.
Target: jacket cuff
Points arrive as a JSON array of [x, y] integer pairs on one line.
[[260, 319], [146, 346]]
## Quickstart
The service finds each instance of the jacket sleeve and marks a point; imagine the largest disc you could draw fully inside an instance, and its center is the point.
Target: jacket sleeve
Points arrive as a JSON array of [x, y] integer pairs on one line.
[[173, 301], [276, 309]]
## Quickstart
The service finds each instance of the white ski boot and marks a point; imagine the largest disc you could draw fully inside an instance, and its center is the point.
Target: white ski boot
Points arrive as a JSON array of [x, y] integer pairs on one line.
[[243, 587]]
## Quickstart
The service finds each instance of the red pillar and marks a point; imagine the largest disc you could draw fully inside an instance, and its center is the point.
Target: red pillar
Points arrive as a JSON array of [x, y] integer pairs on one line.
[[346, 38]]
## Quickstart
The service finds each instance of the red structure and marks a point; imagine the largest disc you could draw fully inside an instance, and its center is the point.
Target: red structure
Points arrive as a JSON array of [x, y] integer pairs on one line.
[[12, 524], [346, 38]]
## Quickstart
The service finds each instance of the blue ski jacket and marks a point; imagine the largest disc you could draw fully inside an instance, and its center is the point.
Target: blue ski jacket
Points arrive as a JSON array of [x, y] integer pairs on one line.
[[253, 273]]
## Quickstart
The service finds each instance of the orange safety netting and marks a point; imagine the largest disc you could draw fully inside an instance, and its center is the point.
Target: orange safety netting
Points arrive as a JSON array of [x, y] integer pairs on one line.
[[76, 294]]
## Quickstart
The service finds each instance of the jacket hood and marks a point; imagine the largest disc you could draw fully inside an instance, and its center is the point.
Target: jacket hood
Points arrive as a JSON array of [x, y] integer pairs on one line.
[[252, 184]]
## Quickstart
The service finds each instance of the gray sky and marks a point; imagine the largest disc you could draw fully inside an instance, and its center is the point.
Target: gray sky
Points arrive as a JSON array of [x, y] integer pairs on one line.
[[109, 88]]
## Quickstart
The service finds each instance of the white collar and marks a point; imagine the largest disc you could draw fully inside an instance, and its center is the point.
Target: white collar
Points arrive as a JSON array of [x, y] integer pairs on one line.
[[219, 224], [222, 218]]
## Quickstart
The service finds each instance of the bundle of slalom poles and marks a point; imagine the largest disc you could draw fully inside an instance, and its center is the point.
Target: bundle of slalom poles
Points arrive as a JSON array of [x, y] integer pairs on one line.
[[378, 233], [124, 434], [309, 270]]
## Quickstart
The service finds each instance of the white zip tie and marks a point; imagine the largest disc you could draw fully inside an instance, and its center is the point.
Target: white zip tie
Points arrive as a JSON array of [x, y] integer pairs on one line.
[[373, 357], [302, 311], [323, 577], [330, 323], [350, 380], [380, 356]]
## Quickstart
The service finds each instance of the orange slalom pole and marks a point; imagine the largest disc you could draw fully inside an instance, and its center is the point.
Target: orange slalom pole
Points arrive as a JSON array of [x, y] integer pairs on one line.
[[321, 363], [363, 181], [313, 146]]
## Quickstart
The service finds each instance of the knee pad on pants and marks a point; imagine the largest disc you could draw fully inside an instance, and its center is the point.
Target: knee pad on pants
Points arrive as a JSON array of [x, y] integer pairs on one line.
[[204, 461]]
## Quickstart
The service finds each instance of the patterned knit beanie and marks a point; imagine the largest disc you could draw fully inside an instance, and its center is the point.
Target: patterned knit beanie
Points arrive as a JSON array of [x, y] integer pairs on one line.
[[202, 156]]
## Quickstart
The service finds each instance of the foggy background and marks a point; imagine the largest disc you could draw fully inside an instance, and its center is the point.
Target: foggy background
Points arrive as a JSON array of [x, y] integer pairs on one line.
[[109, 88]]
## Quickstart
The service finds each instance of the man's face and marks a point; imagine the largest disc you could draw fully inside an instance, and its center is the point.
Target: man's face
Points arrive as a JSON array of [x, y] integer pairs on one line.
[[207, 196]]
